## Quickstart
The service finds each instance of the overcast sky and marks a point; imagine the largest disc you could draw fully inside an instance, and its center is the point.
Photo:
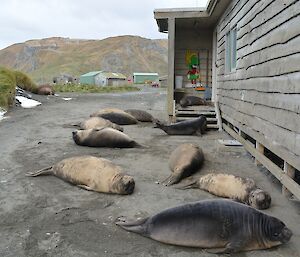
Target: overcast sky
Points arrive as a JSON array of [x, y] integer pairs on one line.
[[22, 20]]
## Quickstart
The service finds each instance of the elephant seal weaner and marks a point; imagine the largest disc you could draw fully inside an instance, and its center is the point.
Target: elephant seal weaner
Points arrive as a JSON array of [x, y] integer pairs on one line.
[[140, 115], [191, 100], [185, 160], [104, 137], [91, 173], [116, 116], [234, 187], [187, 127], [96, 122], [224, 226]]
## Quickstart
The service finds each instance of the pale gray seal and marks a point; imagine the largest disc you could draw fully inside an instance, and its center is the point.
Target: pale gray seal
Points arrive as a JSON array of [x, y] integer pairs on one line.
[[103, 137], [221, 226], [185, 160], [91, 173], [195, 126], [238, 188], [116, 116]]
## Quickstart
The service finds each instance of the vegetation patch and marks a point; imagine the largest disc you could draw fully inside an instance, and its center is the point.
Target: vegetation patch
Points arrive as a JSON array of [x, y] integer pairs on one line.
[[93, 89], [9, 79]]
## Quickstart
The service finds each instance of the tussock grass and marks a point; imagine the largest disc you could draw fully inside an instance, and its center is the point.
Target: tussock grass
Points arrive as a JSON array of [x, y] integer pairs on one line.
[[7, 87], [9, 79], [24, 82], [93, 89]]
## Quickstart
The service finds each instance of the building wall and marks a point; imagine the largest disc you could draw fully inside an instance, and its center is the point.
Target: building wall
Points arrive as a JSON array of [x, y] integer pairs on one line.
[[262, 97], [195, 40], [116, 82], [140, 79], [87, 80]]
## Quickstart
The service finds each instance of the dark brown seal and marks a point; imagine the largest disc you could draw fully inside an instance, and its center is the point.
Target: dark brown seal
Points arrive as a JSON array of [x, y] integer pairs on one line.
[[91, 173], [45, 90], [221, 226], [191, 100], [185, 160], [140, 115], [104, 137], [238, 188], [195, 126]]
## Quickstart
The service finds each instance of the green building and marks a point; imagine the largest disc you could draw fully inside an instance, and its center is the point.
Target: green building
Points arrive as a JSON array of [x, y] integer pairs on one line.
[[103, 78], [89, 78], [142, 78]]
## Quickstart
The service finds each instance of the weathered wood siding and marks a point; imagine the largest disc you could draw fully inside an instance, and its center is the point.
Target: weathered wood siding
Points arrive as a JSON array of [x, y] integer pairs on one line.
[[262, 96], [195, 41]]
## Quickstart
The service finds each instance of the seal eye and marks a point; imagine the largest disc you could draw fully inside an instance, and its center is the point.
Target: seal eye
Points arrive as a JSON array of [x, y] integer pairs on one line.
[[275, 234]]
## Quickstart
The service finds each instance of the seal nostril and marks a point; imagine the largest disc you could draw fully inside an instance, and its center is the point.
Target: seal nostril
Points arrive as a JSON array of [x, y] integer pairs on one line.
[[73, 133]]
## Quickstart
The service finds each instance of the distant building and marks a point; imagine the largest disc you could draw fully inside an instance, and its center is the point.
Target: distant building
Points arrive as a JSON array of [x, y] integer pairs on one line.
[[142, 78], [103, 78]]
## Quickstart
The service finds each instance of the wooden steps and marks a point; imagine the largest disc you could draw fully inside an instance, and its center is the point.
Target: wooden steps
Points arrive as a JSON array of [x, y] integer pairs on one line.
[[195, 111]]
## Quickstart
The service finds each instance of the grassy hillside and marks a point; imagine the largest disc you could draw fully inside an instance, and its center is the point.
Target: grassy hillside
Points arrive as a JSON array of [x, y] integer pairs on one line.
[[47, 58]]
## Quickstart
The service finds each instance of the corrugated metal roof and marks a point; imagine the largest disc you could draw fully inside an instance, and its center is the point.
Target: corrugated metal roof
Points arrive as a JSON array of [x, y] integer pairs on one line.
[[91, 73], [114, 75], [144, 73]]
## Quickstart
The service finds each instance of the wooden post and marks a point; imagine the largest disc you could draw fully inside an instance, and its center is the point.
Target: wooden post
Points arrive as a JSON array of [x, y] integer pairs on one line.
[[171, 64], [290, 171], [260, 148]]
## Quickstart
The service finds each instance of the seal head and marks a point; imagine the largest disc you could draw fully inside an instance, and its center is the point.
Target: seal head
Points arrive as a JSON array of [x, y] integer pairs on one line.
[[259, 199], [122, 184]]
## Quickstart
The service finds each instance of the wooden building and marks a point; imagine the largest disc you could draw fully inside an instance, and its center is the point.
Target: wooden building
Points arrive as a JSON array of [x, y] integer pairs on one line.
[[253, 64], [103, 78]]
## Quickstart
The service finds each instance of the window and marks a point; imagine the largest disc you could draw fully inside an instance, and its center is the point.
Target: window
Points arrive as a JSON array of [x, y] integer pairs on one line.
[[230, 58]]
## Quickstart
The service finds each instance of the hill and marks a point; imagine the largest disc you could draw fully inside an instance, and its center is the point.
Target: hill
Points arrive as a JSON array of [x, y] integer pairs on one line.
[[46, 58]]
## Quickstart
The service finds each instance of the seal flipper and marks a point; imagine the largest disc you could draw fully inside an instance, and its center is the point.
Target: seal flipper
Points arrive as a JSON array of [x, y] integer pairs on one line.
[[45, 171], [231, 247], [172, 179], [138, 226], [192, 184]]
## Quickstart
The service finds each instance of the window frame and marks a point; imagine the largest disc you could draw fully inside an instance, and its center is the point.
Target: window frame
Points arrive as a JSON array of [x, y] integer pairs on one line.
[[231, 50]]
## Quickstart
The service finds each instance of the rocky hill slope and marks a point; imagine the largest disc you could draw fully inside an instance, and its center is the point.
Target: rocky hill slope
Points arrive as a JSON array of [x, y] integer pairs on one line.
[[46, 58]]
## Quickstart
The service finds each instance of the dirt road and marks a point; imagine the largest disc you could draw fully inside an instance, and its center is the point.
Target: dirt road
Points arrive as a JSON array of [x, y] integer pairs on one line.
[[45, 216]]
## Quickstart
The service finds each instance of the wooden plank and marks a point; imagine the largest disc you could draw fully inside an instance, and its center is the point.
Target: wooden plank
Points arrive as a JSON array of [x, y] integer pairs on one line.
[[289, 183], [277, 67], [275, 15], [284, 101], [276, 135], [275, 35], [289, 171], [281, 118], [277, 149], [171, 60], [260, 148], [288, 83], [274, 52]]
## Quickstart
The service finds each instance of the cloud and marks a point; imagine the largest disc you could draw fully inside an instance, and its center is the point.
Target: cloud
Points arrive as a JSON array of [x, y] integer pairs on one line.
[[22, 20]]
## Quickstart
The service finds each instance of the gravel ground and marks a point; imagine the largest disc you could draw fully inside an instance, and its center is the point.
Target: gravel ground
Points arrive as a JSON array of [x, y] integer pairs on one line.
[[45, 216]]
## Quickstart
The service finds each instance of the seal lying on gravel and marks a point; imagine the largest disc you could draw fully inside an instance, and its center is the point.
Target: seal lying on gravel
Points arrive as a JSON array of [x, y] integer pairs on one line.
[[234, 187], [91, 173], [116, 116], [45, 90], [187, 127], [223, 225], [104, 137], [191, 100], [140, 115], [185, 160], [95, 122]]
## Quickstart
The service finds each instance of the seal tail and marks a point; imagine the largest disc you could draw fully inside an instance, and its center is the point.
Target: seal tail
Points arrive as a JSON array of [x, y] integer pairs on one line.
[[45, 171], [192, 184], [138, 226]]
